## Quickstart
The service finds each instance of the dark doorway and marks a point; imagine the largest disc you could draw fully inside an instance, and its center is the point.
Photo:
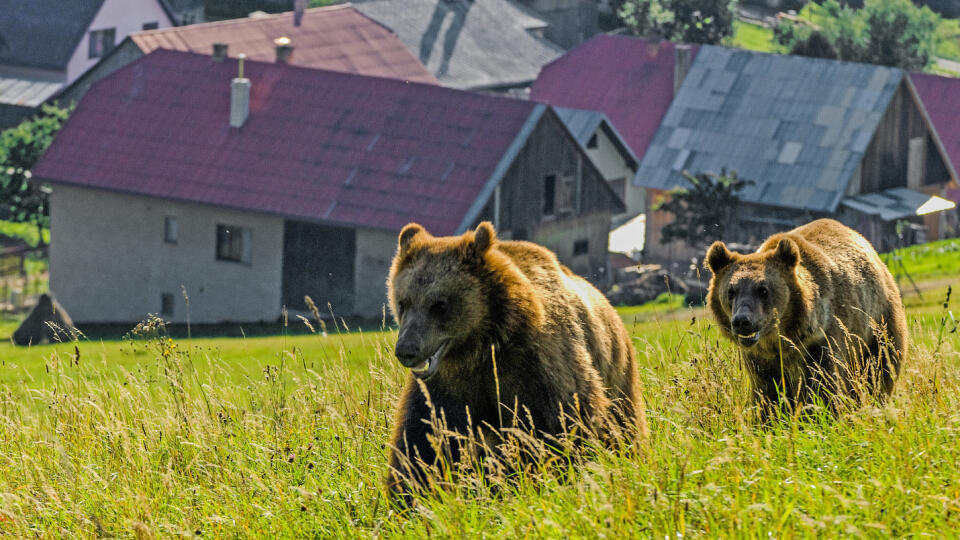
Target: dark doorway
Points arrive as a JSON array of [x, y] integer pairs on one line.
[[318, 262]]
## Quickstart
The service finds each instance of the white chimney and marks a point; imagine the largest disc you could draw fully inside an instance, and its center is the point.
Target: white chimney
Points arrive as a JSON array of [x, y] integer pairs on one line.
[[239, 96], [284, 50]]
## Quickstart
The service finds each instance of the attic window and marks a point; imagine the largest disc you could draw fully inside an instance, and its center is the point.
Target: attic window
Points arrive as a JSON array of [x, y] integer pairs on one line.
[[549, 194], [581, 247], [102, 42], [592, 143], [151, 25]]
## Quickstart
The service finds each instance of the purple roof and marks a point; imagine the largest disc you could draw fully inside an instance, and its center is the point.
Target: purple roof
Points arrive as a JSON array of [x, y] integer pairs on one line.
[[318, 145], [941, 97], [628, 79]]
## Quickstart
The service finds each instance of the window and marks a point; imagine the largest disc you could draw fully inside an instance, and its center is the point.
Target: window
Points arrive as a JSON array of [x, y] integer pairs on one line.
[[101, 42], [566, 195], [151, 25], [581, 247], [234, 243], [170, 230], [549, 194], [592, 143], [166, 304]]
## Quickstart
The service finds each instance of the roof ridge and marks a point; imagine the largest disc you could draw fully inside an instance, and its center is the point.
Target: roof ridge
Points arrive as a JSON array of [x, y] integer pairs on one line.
[[239, 20]]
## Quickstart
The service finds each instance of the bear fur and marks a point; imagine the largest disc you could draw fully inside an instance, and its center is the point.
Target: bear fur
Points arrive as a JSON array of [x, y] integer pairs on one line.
[[814, 311], [47, 322], [560, 348]]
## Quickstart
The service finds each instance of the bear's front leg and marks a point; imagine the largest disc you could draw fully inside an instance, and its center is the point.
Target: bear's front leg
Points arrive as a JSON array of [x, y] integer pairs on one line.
[[410, 448]]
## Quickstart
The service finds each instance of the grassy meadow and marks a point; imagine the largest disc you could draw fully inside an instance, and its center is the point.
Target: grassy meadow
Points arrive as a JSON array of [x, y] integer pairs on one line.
[[284, 436]]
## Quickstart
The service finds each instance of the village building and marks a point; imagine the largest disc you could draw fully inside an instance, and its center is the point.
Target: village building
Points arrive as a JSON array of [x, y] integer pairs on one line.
[[940, 97], [47, 44], [490, 45], [571, 22], [175, 175], [337, 38], [631, 81], [816, 138]]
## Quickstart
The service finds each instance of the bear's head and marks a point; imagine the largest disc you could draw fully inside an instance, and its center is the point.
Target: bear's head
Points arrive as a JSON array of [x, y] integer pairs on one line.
[[453, 297], [751, 294]]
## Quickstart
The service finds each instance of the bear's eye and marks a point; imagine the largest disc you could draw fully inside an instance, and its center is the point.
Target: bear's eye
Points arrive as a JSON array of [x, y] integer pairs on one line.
[[439, 308], [731, 292], [762, 292], [404, 305]]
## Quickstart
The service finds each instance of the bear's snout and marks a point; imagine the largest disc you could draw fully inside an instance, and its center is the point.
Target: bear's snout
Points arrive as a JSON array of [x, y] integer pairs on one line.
[[409, 349], [743, 324]]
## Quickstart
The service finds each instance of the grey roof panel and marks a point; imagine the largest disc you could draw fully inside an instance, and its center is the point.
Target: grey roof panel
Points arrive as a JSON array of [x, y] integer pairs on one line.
[[26, 92], [43, 33], [467, 44]]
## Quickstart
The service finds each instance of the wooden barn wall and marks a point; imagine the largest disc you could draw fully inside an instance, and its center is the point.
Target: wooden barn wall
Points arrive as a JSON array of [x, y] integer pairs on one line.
[[550, 150], [885, 161]]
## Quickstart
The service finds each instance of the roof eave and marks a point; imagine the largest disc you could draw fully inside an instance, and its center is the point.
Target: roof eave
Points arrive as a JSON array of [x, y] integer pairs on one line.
[[933, 132]]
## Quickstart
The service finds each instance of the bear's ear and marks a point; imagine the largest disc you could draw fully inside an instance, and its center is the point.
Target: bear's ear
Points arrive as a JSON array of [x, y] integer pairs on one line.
[[787, 252], [409, 231], [483, 238], [719, 257]]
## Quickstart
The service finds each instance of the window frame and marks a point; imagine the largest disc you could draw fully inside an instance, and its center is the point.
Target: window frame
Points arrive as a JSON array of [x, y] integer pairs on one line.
[[96, 47], [581, 247], [170, 229], [240, 240]]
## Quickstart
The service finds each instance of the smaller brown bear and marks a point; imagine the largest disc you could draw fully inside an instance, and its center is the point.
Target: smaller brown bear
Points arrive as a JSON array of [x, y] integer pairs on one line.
[[561, 350], [814, 311]]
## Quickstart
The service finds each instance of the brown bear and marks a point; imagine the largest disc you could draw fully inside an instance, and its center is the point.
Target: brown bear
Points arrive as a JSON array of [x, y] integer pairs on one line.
[[815, 313], [465, 302]]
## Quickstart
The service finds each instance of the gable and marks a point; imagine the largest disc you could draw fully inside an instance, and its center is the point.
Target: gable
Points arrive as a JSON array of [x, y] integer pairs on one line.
[[43, 33]]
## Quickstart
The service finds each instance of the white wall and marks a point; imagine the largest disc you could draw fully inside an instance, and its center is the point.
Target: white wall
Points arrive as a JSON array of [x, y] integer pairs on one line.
[[127, 16], [612, 165], [375, 250], [109, 261]]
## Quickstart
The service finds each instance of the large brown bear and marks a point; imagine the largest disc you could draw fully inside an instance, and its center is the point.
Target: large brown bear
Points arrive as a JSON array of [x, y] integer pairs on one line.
[[560, 349], [815, 312]]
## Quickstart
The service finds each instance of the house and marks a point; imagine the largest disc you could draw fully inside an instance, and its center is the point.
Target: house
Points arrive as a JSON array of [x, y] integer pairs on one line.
[[818, 138], [187, 11], [253, 192], [571, 21], [940, 96], [337, 38], [491, 45], [607, 148], [631, 81], [46, 44]]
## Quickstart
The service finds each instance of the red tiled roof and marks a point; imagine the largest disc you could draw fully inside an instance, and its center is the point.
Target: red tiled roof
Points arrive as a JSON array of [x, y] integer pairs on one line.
[[628, 79], [318, 145], [941, 97], [338, 38]]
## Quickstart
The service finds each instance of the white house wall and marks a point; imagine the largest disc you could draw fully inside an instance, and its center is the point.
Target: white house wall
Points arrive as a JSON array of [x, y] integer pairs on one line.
[[109, 261], [127, 16], [375, 250], [611, 164]]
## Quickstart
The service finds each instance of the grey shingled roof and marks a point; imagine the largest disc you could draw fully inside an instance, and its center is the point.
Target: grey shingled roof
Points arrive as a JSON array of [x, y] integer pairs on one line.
[[798, 127], [583, 123], [43, 33], [467, 44]]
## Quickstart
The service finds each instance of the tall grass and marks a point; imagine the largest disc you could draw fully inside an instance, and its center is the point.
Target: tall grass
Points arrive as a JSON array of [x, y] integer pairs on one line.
[[285, 437]]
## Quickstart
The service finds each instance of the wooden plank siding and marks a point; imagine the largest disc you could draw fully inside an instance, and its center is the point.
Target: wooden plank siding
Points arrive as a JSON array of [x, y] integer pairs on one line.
[[885, 163], [582, 200]]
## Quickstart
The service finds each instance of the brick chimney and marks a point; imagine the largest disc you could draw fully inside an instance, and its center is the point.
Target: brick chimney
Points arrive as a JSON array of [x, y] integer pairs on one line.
[[284, 50], [682, 58], [219, 52], [239, 96]]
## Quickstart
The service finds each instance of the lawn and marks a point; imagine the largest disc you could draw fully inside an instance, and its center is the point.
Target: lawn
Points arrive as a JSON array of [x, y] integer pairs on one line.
[[284, 436]]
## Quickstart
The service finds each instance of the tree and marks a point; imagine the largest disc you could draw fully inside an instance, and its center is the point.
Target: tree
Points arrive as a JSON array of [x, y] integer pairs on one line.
[[691, 21], [22, 200], [893, 33], [705, 212]]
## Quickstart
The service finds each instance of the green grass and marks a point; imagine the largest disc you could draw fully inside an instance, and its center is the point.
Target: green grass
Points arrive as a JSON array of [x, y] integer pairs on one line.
[[755, 37], [283, 436]]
